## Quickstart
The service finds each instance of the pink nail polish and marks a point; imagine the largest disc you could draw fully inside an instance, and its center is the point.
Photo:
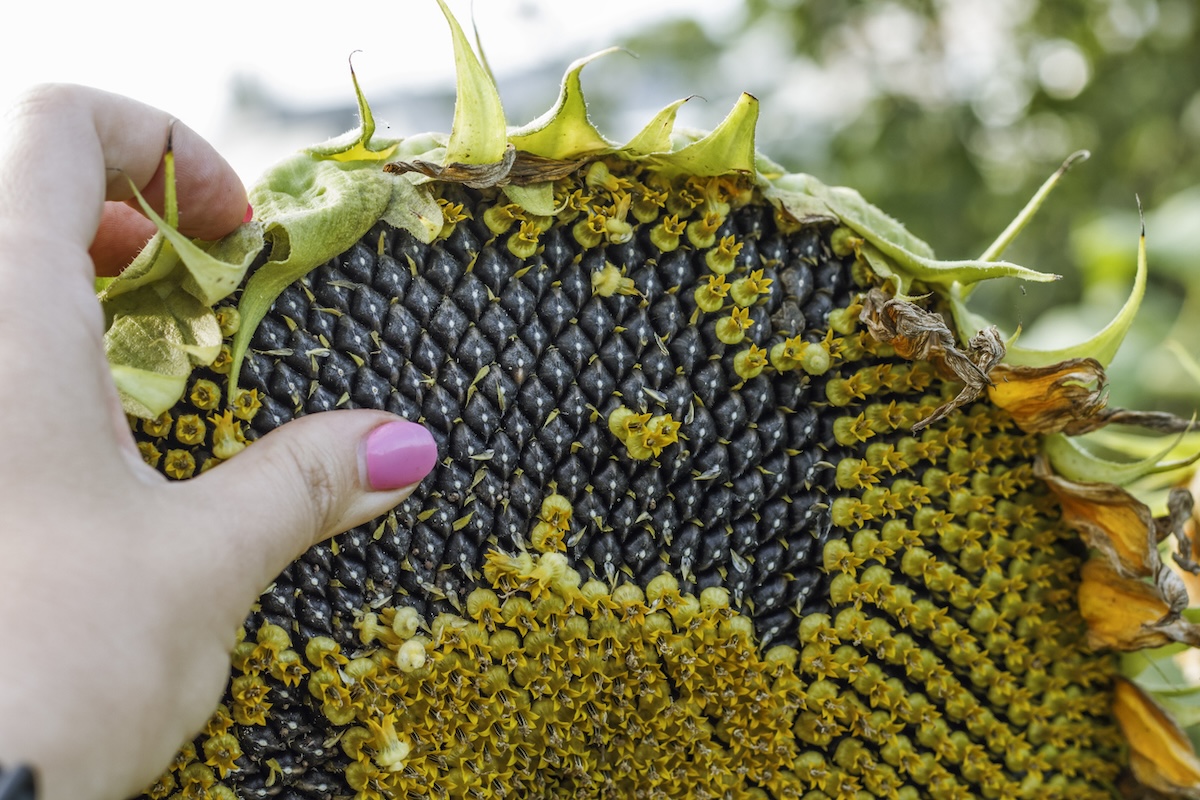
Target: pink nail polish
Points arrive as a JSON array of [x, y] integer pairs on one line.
[[398, 454], [249, 214]]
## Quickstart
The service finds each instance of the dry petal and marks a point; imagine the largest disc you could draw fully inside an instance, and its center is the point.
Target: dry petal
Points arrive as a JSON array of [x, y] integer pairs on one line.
[[529, 168], [1068, 397], [1110, 519], [1160, 755], [1065, 397], [477, 176], [1121, 613], [1122, 609], [517, 167]]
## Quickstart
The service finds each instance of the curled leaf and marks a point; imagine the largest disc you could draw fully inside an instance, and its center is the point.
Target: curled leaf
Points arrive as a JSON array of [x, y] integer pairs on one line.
[[1161, 757], [921, 335], [158, 312], [313, 208], [1071, 459]]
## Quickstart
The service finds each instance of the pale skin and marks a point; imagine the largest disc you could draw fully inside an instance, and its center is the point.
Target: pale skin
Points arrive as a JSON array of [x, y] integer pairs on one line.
[[121, 593]]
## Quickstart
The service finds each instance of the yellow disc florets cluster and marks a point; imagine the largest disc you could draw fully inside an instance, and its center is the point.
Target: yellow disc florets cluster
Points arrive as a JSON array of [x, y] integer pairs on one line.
[[549, 686]]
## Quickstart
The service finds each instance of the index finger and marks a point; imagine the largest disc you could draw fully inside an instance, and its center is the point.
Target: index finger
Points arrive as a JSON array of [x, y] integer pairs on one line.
[[66, 149]]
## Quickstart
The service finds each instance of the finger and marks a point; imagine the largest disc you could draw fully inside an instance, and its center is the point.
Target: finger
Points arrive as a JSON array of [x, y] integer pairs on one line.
[[123, 232], [212, 200], [60, 151], [68, 148], [312, 478]]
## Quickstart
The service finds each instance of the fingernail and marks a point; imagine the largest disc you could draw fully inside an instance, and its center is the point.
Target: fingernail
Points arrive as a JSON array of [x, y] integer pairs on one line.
[[249, 214], [399, 454]]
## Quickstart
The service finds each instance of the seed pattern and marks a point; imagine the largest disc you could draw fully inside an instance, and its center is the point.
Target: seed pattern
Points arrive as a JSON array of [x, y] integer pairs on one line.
[[680, 535]]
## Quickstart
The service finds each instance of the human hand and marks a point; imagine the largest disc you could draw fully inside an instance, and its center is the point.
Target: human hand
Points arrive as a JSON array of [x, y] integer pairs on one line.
[[121, 593]]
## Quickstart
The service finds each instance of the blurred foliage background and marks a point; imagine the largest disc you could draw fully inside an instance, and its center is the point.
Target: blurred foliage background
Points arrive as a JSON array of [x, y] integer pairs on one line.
[[949, 114]]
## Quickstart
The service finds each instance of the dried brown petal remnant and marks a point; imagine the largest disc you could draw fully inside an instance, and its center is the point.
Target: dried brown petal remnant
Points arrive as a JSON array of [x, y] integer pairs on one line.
[[1068, 397], [517, 167], [1160, 755], [922, 335]]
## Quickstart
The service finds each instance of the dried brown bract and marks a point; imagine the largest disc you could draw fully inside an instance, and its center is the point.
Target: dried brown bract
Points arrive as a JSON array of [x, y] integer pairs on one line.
[[1180, 506], [919, 335], [517, 168]]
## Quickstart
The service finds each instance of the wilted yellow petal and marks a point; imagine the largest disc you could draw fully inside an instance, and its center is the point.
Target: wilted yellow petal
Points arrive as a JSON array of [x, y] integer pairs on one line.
[[1110, 519], [1065, 397], [1120, 612], [1068, 397], [1160, 755]]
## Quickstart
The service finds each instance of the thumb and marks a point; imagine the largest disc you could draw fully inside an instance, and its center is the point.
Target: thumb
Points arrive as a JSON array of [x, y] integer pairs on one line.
[[312, 478]]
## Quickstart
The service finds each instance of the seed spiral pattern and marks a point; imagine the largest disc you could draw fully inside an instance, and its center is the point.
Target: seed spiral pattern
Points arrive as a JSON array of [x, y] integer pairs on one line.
[[680, 541]]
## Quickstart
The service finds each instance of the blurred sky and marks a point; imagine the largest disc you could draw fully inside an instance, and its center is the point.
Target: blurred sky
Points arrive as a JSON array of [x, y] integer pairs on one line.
[[186, 58]]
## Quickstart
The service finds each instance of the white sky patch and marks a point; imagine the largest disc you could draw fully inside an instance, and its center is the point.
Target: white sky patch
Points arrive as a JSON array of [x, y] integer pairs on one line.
[[184, 58]]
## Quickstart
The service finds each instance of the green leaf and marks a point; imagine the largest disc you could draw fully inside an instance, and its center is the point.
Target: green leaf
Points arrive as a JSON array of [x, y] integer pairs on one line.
[[1031, 208], [357, 146], [1072, 460], [478, 134], [867, 220], [800, 204], [1104, 345], [147, 393], [313, 210], [414, 209], [152, 345], [210, 277], [536, 198], [1186, 360], [158, 312], [912, 258], [889, 248]]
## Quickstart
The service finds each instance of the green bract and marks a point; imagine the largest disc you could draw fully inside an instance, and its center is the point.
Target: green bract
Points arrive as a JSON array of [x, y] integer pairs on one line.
[[316, 203], [159, 312]]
